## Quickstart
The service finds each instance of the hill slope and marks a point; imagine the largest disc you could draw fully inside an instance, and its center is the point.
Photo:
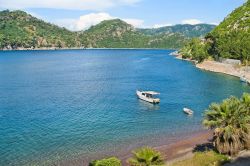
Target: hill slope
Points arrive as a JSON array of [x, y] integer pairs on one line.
[[187, 30], [231, 39], [21, 30], [118, 34]]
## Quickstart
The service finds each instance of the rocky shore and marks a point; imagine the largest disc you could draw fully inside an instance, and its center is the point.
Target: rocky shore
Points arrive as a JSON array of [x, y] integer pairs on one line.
[[233, 70], [218, 67]]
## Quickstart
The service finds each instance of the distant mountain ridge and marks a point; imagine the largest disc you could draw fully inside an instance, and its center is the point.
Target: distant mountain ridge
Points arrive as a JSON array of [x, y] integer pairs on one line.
[[21, 30], [188, 30]]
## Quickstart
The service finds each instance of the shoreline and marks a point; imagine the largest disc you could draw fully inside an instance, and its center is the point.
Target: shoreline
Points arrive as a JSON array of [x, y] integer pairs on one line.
[[227, 69], [218, 67], [171, 151], [82, 48]]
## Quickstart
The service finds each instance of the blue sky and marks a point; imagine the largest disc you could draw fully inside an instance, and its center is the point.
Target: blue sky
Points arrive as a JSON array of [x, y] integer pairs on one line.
[[80, 14]]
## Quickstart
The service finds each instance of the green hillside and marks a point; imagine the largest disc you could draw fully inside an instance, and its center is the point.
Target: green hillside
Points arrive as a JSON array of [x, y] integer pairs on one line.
[[113, 34], [118, 34], [19, 30], [187, 30], [231, 39]]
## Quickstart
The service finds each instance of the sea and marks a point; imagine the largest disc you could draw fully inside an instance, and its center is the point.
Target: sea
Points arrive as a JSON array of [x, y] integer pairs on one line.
[[58, 106]]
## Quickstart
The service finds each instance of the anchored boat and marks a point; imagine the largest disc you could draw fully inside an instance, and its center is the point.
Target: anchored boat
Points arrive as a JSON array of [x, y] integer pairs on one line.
[[148, 96], [188, 111]]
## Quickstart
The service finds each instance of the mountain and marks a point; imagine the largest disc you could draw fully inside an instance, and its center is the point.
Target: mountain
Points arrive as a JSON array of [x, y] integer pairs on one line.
[[118, 34], [21, 30], [112, 34], [230, 39], [187, 30]]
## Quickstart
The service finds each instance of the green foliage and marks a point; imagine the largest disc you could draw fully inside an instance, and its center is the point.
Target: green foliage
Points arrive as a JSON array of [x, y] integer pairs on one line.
[[186, 30], [21, 30], [146, 157], [112, 161], [195, 50], [231, 123], [208, 158], [230, 39], [118, 34]]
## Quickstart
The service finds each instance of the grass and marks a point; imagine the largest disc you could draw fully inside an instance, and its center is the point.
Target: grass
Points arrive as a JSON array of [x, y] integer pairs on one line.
[[208, 158]]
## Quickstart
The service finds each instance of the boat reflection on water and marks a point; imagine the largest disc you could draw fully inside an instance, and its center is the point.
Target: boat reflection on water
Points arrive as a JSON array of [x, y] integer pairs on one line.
[[146, 106]]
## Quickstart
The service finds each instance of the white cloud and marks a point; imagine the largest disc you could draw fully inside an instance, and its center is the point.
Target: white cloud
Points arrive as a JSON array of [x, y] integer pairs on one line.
[[214, 23], [86, 21], [134, 22], [65, 4], [161, 25], [36, 15], [191, 21]]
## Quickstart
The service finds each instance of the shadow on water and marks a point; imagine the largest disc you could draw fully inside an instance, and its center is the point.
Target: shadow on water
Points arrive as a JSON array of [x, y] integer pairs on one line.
[[148, 106]]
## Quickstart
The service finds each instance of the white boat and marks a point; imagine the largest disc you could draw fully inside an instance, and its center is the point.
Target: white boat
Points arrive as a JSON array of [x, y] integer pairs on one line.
[[148, 96], [188, 111]]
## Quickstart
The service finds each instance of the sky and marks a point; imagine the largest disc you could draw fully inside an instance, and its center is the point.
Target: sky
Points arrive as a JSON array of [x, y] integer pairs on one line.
[[81, 14]]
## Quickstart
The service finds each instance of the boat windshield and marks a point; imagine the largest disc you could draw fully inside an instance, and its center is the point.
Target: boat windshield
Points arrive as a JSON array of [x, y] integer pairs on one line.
[[149, 95]]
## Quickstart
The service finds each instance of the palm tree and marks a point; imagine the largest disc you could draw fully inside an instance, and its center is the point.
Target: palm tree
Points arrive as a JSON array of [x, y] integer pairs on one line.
[[146, 157], [230, 121]]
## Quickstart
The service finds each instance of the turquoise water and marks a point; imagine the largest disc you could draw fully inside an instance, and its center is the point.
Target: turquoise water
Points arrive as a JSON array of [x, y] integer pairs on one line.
[[70, 104]]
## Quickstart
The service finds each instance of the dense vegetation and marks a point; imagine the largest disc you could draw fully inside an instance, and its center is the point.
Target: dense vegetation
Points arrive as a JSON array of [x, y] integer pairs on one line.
[[21, 30], [187, 30], [231, 123], [112, 161], [231, 39], [118, 34]]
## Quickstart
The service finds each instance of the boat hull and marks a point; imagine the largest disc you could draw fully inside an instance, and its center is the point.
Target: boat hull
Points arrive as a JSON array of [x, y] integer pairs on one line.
[[188, 111], [144, 98]]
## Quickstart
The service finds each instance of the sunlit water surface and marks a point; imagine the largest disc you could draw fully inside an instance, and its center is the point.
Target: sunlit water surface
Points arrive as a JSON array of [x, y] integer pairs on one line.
[[61, 105]]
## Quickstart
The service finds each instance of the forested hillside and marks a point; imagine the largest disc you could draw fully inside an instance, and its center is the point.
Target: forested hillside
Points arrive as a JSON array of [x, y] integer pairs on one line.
[[118, 34], [187, 30], [231, 39], [19, 30]]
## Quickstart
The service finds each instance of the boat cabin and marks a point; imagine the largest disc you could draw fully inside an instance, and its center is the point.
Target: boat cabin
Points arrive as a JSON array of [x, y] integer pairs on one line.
[[149, 94]]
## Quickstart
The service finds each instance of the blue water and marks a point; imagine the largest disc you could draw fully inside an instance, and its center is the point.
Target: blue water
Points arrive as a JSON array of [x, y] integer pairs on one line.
[[61, 105]]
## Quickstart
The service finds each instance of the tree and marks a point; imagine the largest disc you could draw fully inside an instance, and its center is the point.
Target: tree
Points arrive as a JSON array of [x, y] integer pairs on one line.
[[196, 50], [231, 123], [112, 161], [146, 156]]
